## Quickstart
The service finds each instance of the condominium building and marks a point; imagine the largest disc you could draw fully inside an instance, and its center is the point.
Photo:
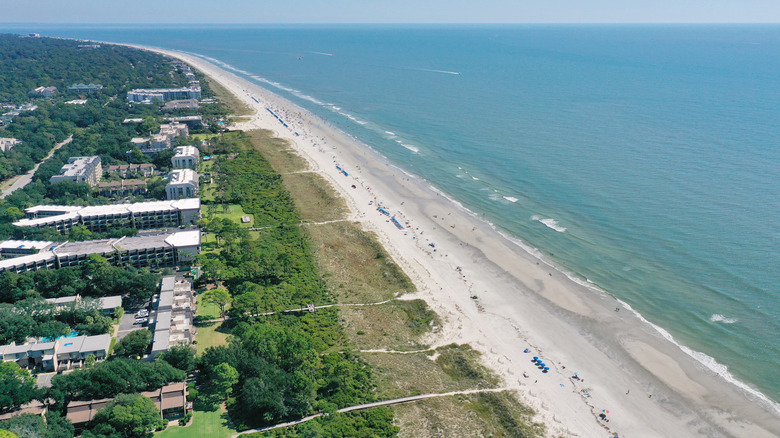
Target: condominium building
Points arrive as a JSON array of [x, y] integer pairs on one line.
[[144, 169], [186, 157], [174, 312], [107, 304], [165, 139], [62, 354], [101, 218], [17, 248], [170, 400], [123, 188], [86, 170], [6, 144], [42, 92], [163, 94], [84, 88], [155, 250], [182, 183]]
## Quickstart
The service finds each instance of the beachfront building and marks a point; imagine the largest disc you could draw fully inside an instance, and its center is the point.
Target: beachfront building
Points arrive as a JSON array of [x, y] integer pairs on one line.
[[62, 354], [18, 248], [180, 104], [155, 250], [174, 313], [186, 157], [182, 183], [102, 218], [125, 170], [165, 139], [107, 304], [6, 144], [86, 170], [190, 121], [163, 94], [84, 88], [170, 400], [123, 188]]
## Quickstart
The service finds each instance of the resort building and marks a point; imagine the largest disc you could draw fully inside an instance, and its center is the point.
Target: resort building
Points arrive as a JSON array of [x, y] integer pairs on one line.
[[156, 250], [101, 218], [43, 92], [187, 157], [6, 144], [123, 188], [163, 94], [174, 313], [107, 304], [182, 183], [86, 170], [62, 354], [170, 400], [84, 88], [165, 139], [144, 169], [190, 121], [17, 248], [181, 104]]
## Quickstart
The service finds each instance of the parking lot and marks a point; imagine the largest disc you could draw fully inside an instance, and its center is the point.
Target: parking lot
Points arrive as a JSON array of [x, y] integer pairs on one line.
[[127, 323]]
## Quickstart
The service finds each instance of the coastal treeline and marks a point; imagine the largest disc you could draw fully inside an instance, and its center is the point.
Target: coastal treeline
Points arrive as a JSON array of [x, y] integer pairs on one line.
[[289, 364]]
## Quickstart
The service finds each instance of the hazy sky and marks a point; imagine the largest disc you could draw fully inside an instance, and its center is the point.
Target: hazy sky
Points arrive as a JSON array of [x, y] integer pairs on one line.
[[388, 11]]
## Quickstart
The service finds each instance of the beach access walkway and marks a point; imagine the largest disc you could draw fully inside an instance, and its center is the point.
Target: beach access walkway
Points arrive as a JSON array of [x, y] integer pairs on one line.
[[395, 401], [20, 181]]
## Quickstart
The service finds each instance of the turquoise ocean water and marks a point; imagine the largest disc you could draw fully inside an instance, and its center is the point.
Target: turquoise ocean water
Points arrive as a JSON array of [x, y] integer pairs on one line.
[[644, 159]]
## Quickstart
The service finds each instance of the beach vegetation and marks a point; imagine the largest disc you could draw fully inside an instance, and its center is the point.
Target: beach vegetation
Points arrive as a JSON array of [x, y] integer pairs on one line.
[[355, 259], [395, 325], [315, 199], [278, 152]]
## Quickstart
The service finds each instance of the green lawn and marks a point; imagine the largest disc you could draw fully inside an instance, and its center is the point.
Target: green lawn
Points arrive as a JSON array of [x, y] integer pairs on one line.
[[210, 335], [203, 136], [212, 424], [234, 212]]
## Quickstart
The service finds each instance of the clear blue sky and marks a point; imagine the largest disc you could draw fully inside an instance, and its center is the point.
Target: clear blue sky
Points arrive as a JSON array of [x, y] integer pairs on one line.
[[389, 11]]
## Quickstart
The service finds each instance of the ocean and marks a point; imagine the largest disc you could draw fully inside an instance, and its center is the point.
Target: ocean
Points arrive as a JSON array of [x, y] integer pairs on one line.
[[641, 159]]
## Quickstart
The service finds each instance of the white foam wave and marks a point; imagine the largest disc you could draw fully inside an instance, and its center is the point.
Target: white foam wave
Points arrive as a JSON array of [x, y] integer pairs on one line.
[[389, 133], [446, 72], [475, 178], [322, 53], [511, 198], [550, 223], [717, 317]]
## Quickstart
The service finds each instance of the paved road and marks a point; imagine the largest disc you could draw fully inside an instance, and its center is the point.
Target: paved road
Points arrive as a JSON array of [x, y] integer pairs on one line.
[[25, 179]]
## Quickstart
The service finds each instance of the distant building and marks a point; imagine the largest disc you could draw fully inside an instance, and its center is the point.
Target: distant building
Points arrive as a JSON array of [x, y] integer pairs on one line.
[[190, 121], [182, 183], [174, 130], [122, 188], [165, 139], [43, 92], [186, 157], [77, 102], [84, 88], [101, 218], [133, 120], [144, 169], [181, 104], [62, 354], [6, 144], [155, 250], [86, 170], [163, 94]]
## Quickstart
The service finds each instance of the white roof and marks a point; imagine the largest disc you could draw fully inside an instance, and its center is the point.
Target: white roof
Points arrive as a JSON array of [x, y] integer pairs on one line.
[[61, 208], [182, 176], [187, 204], [24, 244], [111, 302], [186, 151], [23, 260], [46, 220], [184, 238]]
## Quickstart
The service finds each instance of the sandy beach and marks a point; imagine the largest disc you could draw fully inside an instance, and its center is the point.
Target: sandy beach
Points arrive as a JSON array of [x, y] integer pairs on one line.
[[502, 299]]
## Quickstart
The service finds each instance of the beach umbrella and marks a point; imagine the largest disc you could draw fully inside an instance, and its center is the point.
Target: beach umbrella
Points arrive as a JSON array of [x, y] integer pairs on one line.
[[526, 351], [547, 368], [576, 373], [536, 358], [605, 411]]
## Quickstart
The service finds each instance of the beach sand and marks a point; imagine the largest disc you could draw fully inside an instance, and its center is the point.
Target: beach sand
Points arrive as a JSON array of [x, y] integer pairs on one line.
[[649, 385]]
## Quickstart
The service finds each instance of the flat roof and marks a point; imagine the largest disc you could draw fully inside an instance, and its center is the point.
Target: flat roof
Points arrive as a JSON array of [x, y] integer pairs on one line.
[[168, 282], [24, 244], [161, 342], [23, 260], [166, 300], [70, 212], [103, 246], [46, 220], [111, 302], [184, 238], [62, 300], [97, 342]]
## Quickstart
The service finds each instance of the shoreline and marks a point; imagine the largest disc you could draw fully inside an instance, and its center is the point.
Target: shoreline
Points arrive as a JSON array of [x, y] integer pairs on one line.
[[524, 301]]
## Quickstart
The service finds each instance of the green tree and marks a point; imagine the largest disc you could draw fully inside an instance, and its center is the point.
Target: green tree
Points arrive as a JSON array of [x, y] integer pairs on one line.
[[180, 356], [127, 416], [17, 386], [225, 376], [134, 344], [220, 297]]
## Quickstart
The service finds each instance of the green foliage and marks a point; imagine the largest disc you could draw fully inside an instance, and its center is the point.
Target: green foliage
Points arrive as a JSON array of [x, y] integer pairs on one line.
[[223, 378], [179, 356], [109, 378], [376, 422], [134, 344], [17, 386], [36, 317], [127, 416], [52, 425], [220, 297]]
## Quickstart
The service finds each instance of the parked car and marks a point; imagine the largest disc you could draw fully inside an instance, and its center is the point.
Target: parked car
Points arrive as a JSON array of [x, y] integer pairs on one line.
[[143, 313], [141, 320]]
